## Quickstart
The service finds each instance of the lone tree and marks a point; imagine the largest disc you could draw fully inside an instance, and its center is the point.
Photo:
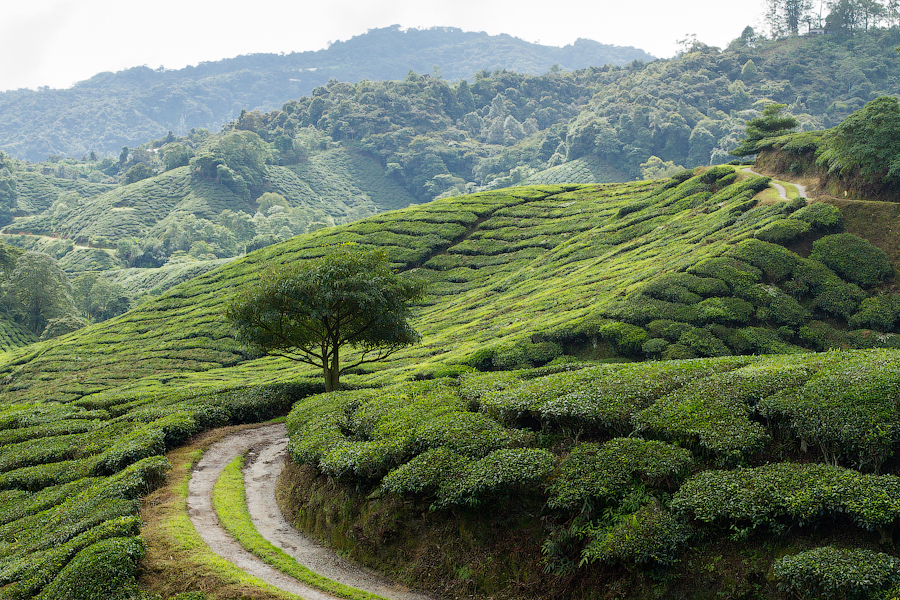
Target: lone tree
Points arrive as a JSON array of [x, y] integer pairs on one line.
[[772, 123], [37, 291], [308, 310]]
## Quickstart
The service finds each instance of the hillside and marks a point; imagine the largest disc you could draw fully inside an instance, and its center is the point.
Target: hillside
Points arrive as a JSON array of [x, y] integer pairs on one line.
[[673, 268], [112, 110], [351, 150], [497, 262]]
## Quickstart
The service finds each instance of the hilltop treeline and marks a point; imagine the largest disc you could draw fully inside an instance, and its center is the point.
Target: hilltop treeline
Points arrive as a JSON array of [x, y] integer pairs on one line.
[[112, 110]]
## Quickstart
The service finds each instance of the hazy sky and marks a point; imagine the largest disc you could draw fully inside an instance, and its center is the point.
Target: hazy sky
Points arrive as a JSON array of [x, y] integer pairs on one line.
[[60, 42]]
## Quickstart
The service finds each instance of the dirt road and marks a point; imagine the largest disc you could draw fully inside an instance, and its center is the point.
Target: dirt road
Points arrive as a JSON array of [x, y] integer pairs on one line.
[[782, 192], [266, 447]]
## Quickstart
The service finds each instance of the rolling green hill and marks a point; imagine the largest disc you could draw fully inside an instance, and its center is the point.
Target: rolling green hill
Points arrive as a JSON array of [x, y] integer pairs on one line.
[[112, 110], [519, 277]]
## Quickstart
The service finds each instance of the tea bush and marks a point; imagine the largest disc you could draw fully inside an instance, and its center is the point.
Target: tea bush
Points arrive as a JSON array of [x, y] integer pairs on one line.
[[830, 572], [426, 473], [609, 470], [783, 494], [847, 410], [783, 231], [853, 258], [507, 472], [651, 535], [820, 216]]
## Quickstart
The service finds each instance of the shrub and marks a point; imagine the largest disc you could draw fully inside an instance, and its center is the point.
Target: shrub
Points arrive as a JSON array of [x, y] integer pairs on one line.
[[853, 258], [678, 352], [608, 471], [714, 412], [726, 311], [425, 473], [638, 309], [507, 471], [103, 571], [783, 310], [810, 277], [686, 287], [471, 434], [473, 386], [839, 299], [654, 347], [837, 573], [760, 340], [703, 342], [821, 336], [780, 494], [820, 216], [847, 410], [876, 312], [782, 231], [651, 535], [735, 273], [775, 262], [626, 339]]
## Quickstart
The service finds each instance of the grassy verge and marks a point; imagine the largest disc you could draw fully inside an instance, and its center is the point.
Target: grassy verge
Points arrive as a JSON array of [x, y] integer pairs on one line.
[[177, 559], [230, 504]]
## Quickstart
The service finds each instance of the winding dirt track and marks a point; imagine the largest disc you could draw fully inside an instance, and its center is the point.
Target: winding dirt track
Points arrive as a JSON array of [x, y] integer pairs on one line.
[[782, 192], [266, 448]]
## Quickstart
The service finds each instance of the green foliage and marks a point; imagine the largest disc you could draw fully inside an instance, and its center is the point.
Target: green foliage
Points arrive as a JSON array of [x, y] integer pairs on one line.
[[307, 312], [866, 143], [101, 571], [626, 339], [771, 124], [846, 411], [426, 473], [853, 258], [37, 291], [820, 216], [502, 473], [607, 472], [784, 494], [650, 535], [830, 572], [61, 326], [783, 231]]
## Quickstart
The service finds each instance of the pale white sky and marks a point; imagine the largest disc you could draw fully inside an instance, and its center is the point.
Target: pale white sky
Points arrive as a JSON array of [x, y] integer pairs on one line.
[[60, 42]]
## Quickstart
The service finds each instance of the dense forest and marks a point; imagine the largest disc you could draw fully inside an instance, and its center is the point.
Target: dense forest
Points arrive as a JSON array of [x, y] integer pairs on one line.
[[348, 150], [130, 107]]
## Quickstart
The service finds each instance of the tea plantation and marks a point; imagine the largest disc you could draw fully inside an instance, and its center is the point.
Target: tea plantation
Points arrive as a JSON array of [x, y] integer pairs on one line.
[[628, 467]]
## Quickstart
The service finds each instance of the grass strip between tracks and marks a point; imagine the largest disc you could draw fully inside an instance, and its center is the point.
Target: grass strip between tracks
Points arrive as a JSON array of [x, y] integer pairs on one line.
[[230, 504], [177, 559]]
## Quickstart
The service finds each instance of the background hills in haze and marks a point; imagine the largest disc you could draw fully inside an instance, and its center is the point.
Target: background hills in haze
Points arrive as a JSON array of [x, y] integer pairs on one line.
[[112, 110]]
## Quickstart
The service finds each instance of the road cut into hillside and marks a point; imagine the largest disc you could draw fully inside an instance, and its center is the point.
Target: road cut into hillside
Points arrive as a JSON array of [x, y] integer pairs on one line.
[[266, 448]]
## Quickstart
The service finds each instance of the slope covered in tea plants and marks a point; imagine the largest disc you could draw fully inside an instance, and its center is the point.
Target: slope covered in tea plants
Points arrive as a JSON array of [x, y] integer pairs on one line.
[[745, 477], [517, 278], [517, 274]]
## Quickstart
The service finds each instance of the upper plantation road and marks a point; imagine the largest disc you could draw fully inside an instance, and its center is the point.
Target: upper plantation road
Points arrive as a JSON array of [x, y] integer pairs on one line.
[[782, 192], [266, 447]]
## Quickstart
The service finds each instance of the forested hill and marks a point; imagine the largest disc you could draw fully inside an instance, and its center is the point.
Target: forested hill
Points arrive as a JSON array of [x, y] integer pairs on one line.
[[111, 110]]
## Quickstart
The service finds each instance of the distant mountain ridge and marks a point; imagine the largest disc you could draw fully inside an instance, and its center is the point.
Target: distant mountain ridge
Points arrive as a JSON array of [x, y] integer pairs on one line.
[[111, 110]]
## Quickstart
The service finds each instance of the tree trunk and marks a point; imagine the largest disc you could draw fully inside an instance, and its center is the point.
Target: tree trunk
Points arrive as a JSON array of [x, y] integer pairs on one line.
[[332, 369]]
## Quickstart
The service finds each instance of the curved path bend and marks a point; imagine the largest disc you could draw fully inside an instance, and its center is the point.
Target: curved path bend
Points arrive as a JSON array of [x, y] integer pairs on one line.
[[266, 448], [782, 192]]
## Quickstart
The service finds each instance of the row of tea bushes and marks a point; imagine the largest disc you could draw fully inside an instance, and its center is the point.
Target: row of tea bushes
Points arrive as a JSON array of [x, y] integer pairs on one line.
[[621, 455], [72, 475]]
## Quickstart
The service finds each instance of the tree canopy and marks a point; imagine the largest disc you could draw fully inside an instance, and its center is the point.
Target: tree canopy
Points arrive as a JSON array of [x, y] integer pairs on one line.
[[307, 311], [38, 291], [772, 123], [867, 142]]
